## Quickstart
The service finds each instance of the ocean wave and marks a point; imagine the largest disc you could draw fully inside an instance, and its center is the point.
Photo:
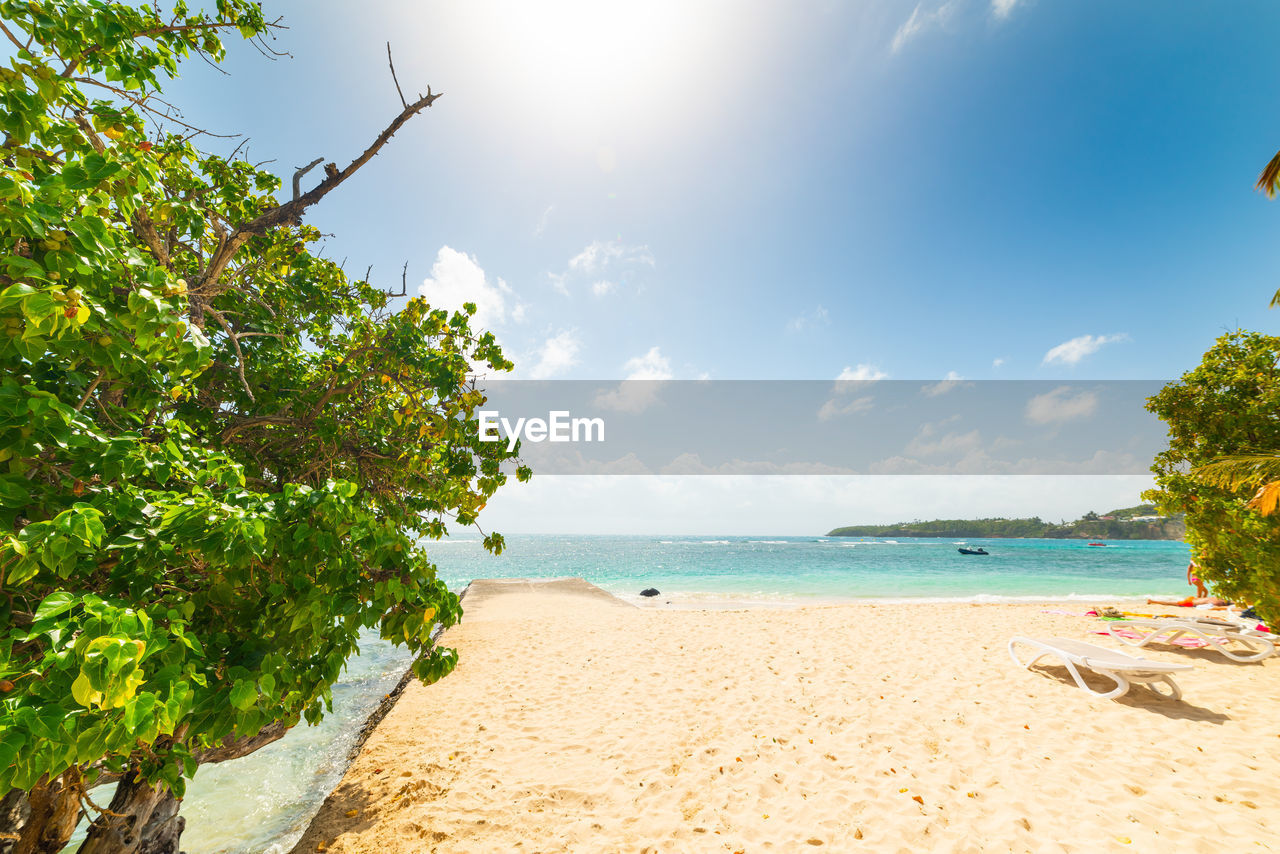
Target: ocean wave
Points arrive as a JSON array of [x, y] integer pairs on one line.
[[771, 599]]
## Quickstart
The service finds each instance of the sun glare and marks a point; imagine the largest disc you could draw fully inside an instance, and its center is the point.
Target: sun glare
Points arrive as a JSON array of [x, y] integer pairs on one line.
[[601, 68]]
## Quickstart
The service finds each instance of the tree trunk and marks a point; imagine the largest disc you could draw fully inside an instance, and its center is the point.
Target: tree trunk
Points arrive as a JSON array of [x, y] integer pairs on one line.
[[53, 810], [14, 810], [120, 829], [149, 821], [162, 834]]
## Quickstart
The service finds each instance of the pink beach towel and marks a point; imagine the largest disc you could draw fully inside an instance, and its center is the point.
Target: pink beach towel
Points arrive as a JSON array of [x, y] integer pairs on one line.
[[1189, 643]]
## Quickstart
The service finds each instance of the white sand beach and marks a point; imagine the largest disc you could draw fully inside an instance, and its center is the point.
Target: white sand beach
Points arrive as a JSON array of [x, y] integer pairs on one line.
[[575, 722]]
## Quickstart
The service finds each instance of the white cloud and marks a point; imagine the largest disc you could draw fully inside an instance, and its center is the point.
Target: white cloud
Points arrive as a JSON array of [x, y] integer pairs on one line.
[[809, 320], [457, 278], [995, 363], [645, 376], [543, 220], [850, 381], [1071, 352], [835, 407], [600, 255], [919, 21], [558, 354], [862, 373], [606, 264], [1002, 8], [651, 366], [952, 380], [1061, 404], [925, 444]]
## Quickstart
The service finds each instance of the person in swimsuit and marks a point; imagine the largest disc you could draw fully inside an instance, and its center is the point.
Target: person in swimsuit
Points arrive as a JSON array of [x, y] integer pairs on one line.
[[1215, 603], [1194, 580]]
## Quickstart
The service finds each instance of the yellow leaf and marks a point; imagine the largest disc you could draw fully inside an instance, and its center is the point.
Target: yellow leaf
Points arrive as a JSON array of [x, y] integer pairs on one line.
[[83, 691], [352, 813]]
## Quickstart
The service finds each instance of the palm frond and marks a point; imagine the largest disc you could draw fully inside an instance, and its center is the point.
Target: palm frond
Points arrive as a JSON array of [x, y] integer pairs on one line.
[[1237, 471], [1275, 300], [1267, 501], [1270, 177]]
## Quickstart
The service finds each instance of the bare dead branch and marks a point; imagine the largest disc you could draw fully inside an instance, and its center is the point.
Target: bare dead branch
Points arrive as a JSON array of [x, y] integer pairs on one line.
[[170, 113], [404, 283], [239, 145], [290, 213], [403, 102], [297, 176]]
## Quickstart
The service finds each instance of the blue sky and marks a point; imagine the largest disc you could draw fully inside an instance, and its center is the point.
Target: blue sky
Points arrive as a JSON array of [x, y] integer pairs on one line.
[[785, 190], [1012, 189]]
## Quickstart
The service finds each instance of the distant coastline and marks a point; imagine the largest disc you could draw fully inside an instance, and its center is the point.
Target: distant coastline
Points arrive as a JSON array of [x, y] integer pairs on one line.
[[1129, 523]]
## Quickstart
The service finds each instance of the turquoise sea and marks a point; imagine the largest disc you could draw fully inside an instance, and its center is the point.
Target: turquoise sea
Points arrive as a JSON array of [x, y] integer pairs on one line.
[[794, 570], [262, 803]]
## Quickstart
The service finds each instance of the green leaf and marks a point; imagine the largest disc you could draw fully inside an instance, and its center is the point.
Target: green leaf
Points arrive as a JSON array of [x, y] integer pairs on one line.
[[243, 695], [138, 710], [55, 604]]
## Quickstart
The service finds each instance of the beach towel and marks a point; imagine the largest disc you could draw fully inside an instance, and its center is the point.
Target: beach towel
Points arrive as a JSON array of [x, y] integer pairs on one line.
[[1189, 643]]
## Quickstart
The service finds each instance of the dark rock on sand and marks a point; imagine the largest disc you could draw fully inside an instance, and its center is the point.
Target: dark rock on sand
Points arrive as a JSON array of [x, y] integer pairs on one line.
[[650, 591]]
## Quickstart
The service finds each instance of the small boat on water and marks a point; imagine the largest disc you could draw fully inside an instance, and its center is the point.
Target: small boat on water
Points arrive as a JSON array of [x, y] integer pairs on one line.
[[1103, 545], [977, 551]]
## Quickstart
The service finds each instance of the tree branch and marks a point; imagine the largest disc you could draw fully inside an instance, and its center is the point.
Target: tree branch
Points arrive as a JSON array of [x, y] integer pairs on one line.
[[172, 28], [290, 213], [403, 102], [18, 44], [297, 176], [235, 343], [89, 391]]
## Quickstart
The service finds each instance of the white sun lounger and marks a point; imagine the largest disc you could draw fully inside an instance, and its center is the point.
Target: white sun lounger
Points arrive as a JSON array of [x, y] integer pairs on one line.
[[1115, 665], [1218, 634]]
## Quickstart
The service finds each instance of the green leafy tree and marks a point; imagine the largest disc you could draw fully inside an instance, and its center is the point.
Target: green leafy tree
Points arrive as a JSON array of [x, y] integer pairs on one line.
[[1222, 415], [220, 457]]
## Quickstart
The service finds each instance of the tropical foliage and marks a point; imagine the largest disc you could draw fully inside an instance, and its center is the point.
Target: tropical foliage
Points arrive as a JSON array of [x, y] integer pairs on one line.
[[220, 456], [1222, 429]]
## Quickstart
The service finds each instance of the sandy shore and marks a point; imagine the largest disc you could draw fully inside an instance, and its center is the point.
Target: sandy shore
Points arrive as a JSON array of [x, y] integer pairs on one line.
[[575, 722]]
